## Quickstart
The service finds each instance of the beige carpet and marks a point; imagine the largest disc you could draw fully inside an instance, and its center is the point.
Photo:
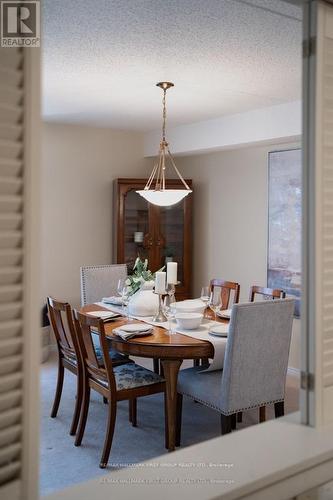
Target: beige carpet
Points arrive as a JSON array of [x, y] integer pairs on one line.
[[62, 464]]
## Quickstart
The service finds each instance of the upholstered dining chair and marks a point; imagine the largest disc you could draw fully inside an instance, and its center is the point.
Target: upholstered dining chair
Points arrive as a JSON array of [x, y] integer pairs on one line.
[[100, 281], [61, 319], [227, 288], [115, 383], [255, 364], [266, 293]]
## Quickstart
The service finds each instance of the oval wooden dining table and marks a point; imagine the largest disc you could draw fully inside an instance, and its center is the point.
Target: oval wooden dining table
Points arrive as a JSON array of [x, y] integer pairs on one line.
[[170, 349]]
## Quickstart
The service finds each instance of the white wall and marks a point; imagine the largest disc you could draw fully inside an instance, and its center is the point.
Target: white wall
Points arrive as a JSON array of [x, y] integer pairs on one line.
[[78, 166], [230, 201]]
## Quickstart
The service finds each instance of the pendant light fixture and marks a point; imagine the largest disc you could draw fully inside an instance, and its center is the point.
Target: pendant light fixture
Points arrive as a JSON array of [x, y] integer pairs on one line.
[[155, 191]]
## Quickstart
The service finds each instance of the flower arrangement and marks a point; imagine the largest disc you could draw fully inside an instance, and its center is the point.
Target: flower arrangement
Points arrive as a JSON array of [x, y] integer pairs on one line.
[[140, 275]]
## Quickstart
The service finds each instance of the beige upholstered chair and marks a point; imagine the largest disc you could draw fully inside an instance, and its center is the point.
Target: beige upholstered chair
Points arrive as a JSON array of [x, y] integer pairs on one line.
[[255, 364], [100, 281]]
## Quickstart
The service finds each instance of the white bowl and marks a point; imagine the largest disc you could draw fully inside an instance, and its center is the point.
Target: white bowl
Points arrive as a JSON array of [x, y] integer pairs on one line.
[[191, 306], [189, 320]]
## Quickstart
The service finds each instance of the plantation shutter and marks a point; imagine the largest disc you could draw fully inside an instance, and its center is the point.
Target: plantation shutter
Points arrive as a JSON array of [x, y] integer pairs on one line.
[[11, 262], [15, 211], [319, 376]]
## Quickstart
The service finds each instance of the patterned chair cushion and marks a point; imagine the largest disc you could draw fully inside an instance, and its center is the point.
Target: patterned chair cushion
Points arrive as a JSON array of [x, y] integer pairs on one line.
[[113, 353], [132, 375]]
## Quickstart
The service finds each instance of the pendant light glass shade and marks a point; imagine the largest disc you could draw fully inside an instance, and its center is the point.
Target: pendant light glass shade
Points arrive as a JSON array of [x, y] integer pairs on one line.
[[164, 198], [155, 191]]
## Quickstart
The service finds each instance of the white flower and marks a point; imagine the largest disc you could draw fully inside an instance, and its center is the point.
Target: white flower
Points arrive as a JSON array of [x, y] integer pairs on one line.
[[136, 262]]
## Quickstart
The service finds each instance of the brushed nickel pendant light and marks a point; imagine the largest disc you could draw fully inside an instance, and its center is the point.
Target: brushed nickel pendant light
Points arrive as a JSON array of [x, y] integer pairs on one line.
[[155, 191]]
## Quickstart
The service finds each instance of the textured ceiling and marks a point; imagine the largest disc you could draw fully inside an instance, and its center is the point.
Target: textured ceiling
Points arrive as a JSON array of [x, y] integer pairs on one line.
[[101, 59]]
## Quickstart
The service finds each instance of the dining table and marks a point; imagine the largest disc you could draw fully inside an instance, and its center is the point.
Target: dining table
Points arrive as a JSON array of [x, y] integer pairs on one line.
[[171, 349]]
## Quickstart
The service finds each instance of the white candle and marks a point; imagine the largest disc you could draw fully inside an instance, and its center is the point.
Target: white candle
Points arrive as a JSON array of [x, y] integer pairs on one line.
[[160, 278], [172, 273]]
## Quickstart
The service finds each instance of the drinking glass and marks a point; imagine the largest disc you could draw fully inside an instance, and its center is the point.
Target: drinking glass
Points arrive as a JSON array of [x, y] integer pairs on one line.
[[204, 296], [215, 301]]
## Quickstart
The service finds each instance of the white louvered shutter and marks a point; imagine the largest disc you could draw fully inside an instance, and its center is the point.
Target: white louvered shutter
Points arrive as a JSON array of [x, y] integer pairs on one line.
[[11, 262], [320, 222], [15, 210]]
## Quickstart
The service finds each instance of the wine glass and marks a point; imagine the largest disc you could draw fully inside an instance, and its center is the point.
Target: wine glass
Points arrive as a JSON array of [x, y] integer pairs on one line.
[[125, 296], [121, 286], [169, 310], [215, 301], [204, 296]]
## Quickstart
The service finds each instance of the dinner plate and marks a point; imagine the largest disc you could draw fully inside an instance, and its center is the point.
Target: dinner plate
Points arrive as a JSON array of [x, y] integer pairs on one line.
[[226, 313], [219, 330], [135, 327], [115, 301], [103, 314]]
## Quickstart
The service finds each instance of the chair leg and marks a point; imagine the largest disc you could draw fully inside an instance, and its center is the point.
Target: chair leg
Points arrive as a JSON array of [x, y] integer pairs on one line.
[[156, 365], [112, 413], [84, 415], [196, 362], [58, 392], [262, 414], [130, 411], [226, 424], [240, 417], [133, 413], [78, 403], [279, 409], [179, 418], [233, 421]]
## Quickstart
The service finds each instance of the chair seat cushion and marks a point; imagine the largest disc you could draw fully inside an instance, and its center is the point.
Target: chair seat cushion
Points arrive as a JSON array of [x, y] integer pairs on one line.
[[131, 375], [115, 356], [205, 387]]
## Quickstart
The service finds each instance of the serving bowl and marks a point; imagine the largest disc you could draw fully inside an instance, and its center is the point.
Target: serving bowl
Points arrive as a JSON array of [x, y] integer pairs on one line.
[[191, 306], [189, 320]]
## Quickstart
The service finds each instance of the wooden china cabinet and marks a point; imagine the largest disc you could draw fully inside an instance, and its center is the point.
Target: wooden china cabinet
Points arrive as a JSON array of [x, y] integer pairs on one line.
[[158, 234]]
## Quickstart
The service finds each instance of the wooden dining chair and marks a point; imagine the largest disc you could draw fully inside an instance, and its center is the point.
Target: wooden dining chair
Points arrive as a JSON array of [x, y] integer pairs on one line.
[[255, 364], [60, 314], [61, 318], [115, 383], [266, 293], [226, 288]]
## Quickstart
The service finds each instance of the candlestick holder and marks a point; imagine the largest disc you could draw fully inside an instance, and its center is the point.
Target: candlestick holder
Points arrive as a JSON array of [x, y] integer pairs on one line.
[[160, 316], [171, 290]]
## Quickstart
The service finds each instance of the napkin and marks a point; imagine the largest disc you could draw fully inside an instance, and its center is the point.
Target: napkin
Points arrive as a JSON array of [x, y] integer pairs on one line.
[[104, 315], [133, 330], [116, 301]]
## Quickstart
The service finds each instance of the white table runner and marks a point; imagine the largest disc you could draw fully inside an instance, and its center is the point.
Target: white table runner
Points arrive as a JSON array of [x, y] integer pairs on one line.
[[219, 343]]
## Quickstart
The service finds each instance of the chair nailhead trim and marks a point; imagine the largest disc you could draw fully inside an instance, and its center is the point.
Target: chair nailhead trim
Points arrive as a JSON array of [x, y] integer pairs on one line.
[[264, 403]]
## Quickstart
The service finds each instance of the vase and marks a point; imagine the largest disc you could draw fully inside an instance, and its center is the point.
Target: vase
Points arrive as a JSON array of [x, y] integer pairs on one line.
[[144, 302]]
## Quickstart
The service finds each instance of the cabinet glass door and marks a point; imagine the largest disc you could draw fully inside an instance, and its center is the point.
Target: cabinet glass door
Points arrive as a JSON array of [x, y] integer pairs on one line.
[[171, 237], [136, 227]]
